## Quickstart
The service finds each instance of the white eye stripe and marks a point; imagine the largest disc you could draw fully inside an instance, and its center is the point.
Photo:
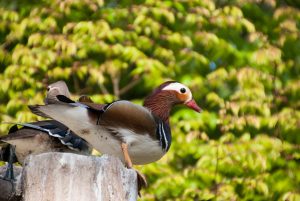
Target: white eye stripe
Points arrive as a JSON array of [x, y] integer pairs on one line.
[[176, 87]]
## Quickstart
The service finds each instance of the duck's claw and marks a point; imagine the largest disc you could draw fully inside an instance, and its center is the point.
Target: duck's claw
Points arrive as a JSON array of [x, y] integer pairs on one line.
[[141, 182]]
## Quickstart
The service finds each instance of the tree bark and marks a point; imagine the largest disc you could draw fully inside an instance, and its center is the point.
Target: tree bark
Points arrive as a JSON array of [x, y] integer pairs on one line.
[[10, 191], [73, 177]]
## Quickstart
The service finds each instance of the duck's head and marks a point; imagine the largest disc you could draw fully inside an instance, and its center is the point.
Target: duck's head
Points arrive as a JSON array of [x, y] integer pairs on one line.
[[167, 95], [57, 88]]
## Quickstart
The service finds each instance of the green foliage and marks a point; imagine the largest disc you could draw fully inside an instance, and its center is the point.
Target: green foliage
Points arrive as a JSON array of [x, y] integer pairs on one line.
[[240, 59]]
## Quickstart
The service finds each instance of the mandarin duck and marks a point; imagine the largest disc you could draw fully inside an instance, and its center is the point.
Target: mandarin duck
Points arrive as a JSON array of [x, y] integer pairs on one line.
[[41, 136], [135, 134], [57, 88]]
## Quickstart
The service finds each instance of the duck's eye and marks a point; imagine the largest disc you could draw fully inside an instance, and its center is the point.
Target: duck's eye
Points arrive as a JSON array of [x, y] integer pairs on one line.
[[48, 88], [183, 90]]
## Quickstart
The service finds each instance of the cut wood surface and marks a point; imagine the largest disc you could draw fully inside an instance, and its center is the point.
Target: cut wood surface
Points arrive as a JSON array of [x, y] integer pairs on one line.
[[72, 177]]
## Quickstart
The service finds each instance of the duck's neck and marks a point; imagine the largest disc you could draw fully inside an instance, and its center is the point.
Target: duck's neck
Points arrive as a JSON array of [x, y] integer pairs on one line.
[[160, 105]]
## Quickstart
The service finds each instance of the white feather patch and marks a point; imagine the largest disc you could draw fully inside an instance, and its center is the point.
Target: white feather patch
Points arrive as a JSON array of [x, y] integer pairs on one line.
[[141, 147], [176, 87]]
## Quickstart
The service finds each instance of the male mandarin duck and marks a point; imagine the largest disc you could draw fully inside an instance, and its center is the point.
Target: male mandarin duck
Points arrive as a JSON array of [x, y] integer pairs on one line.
[[41, 136], [136, 134]]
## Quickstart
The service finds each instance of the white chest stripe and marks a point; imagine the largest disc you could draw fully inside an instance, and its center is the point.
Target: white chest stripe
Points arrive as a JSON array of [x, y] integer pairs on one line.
[[162, 131], [159, 132]]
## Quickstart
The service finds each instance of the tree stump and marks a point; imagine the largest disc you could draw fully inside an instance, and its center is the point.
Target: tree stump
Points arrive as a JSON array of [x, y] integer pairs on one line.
[[10, 191], [73, 177]]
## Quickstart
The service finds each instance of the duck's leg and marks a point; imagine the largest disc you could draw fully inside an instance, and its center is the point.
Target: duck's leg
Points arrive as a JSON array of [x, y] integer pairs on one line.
[[142, 182], [127, 158]]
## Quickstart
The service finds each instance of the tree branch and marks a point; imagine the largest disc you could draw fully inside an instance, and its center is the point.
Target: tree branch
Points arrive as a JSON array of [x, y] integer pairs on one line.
[[129, 86]]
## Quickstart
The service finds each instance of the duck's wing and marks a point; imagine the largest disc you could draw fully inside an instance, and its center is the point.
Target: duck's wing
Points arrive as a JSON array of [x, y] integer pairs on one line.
[[86, 119], [53, 128]]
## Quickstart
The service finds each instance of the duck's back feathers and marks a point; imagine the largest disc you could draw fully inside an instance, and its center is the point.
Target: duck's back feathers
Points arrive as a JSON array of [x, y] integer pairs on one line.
[[124, 114], [85, 99], [119, 114], [49, 127]]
